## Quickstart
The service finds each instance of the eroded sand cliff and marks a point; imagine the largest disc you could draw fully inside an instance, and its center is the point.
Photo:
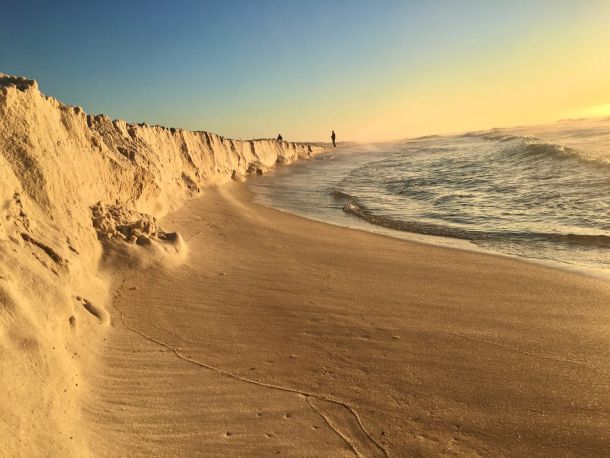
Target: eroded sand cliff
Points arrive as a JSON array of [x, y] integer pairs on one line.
[[70, 185]]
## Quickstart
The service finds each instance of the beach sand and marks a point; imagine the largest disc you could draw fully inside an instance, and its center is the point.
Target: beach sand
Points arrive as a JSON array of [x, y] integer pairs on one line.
[[76, 188], [252, 332], [281, 335]]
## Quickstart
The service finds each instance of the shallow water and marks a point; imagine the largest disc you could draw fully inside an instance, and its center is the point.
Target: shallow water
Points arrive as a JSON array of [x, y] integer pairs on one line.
[[540, 193]]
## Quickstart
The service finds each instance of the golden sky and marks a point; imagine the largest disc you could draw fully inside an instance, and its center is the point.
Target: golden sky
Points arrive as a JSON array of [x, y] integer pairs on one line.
[[542, 77], [369, 70]]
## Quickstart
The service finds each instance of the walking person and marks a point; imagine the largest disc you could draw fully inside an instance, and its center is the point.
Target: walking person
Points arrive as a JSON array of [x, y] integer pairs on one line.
[[332, 136]]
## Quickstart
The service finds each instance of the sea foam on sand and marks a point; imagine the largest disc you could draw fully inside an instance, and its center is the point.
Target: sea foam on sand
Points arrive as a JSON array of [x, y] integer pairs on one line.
[[76, 190]]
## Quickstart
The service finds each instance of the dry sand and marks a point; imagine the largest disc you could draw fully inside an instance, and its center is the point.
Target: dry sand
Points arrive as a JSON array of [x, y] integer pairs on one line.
[[75, 188], [280, 335], [250, 332]]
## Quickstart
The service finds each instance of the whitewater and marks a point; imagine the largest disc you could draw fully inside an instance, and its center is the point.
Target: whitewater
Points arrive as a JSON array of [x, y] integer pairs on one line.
[[540, 193]]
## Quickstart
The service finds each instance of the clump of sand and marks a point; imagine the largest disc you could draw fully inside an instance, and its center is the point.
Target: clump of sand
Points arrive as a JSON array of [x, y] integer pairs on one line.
[[138, 237], [116, 222], [59, 169]]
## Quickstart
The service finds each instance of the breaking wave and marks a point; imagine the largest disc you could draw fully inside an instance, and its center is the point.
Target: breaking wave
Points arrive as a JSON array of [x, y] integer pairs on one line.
[[540, 192], [353, 207], [495, 188], [531, 146]]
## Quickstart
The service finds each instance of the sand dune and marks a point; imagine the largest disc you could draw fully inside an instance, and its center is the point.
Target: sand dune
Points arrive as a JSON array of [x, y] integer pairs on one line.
[[76, 187]]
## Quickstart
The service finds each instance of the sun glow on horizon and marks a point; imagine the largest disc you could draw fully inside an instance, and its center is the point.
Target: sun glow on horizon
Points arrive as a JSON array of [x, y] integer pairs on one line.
[[595, 111], [372, 74]]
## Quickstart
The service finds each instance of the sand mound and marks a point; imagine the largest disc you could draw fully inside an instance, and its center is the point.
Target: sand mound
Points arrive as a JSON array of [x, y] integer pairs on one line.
[[118, 227], [72, 188]]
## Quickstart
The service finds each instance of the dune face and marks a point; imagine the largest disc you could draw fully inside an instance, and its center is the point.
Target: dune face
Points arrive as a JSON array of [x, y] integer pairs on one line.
[[75, 188]]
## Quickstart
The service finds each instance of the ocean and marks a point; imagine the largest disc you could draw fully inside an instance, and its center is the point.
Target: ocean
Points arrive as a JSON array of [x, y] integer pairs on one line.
[[540, 193]]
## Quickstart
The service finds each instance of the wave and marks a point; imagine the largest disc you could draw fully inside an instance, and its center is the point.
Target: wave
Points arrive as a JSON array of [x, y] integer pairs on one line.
[[531, 146], [340, 195], [423, 137], [539, 149], [432, 149], [497, 136], [354, 207], [359, 210]]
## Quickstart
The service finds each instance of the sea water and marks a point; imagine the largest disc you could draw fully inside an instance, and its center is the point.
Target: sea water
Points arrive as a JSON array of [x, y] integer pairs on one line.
[[541, 193]]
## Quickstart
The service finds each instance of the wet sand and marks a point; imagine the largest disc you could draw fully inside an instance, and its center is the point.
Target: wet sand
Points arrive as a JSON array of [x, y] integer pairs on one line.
[[280, 335]]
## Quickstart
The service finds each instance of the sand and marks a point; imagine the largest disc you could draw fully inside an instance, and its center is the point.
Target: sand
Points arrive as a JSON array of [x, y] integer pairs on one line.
[[280, 335], [149, 308], [77, 189]]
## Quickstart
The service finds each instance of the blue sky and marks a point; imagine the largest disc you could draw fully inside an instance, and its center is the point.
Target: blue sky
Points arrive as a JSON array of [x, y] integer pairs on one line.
[[377, 69]]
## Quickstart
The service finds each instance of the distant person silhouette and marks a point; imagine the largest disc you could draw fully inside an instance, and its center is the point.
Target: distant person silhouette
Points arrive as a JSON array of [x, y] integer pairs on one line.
[[333, 138], [279, 138]]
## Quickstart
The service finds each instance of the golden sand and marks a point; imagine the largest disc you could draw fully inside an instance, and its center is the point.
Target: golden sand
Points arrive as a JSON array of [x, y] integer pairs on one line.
[[284, 335]]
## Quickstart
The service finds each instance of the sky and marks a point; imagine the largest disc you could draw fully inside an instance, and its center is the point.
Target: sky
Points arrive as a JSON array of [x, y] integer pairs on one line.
[[370, 70]]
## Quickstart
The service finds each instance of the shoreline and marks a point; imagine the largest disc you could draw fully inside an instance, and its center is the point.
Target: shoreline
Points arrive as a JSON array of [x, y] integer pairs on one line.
[[444, 242], [353, 338], [436, 241], [324, 197]]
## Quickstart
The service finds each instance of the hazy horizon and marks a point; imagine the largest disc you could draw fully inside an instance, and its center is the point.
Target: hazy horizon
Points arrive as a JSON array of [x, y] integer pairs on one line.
[[371, 72]]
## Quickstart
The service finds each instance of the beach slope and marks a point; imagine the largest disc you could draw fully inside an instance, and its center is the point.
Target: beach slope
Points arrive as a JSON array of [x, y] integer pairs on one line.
[[283, 335]]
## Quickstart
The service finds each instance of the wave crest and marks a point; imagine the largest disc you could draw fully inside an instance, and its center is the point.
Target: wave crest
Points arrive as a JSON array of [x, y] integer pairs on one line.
[[532, 146], [354, 207], [554, 151]]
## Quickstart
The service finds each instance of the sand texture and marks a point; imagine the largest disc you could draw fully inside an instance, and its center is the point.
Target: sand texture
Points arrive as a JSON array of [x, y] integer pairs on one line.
[[77, 189], [283, 335], [149, 308]]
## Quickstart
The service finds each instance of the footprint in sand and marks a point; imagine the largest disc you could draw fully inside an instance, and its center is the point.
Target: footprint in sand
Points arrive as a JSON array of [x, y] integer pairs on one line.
[[100, 313]]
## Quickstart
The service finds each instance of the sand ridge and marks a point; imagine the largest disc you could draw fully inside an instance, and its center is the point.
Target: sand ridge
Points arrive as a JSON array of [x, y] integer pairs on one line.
[[78, 191]]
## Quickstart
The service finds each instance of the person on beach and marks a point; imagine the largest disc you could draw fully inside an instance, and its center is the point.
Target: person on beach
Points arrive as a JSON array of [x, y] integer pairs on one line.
[[279, 137], [332, 136]]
